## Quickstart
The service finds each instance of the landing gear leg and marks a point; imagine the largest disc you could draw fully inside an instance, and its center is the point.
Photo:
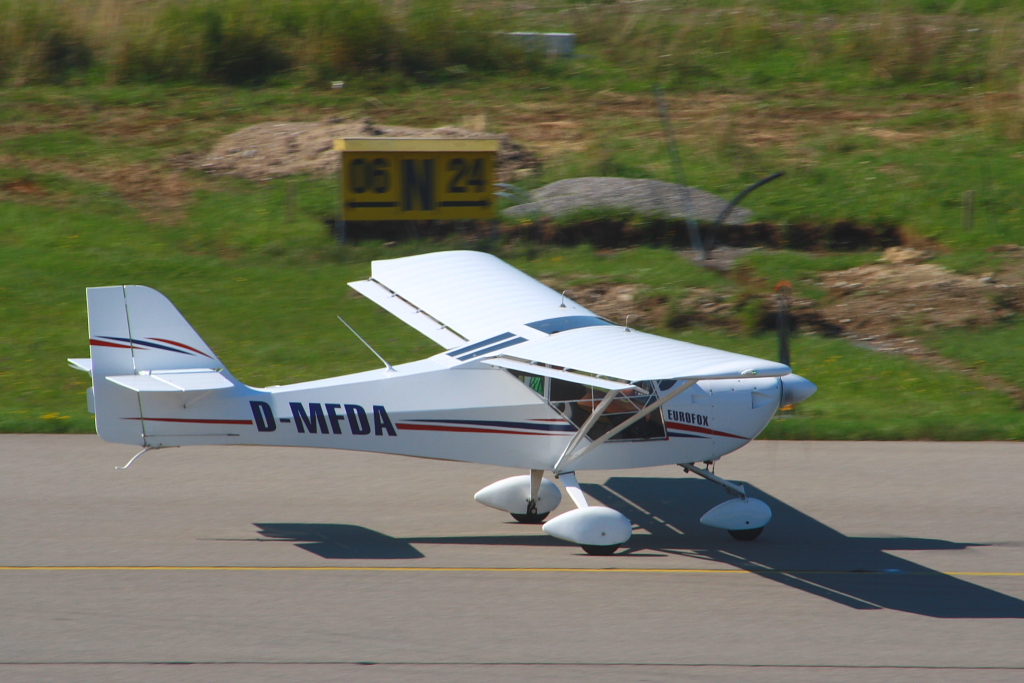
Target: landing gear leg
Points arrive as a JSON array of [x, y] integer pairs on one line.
[[528, 498], [532, 516]]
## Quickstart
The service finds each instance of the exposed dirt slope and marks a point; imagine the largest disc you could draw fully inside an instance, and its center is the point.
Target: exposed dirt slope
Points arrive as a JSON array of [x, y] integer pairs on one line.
[[898, 298], [884, 306], [158, 194]]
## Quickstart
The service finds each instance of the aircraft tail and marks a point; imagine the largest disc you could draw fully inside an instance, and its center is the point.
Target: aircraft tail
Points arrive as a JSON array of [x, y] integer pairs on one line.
[[141, 346]]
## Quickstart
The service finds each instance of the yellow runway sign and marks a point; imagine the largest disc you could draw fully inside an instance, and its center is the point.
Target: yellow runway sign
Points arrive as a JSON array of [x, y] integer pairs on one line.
[[393, 179]]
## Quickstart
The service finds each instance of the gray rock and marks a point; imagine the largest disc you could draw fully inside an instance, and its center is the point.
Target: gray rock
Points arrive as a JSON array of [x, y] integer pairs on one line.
[[645, 197]]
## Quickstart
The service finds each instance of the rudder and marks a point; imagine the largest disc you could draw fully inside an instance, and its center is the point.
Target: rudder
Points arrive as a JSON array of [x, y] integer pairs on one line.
[[135, 330]]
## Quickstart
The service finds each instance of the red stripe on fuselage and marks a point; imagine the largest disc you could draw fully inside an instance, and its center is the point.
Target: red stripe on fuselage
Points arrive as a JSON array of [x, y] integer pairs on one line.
[[201, 422], [701, 430], [478, 430]]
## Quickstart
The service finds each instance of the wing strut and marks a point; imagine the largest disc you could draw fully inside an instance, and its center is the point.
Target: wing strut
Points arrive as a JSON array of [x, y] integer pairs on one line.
[[572, 487], [595, 415], [569, 456]]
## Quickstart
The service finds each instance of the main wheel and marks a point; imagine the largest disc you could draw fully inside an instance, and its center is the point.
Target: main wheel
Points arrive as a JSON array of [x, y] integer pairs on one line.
[[600, 549], [530, 518], [746, 534]]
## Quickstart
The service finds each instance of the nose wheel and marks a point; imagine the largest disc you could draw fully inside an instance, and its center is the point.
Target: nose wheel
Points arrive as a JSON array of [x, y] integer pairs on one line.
[[745, 534], [600, 549], [743, 517]]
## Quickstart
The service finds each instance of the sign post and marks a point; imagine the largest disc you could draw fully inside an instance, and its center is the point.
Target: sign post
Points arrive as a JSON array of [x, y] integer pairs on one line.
[[414, 179]]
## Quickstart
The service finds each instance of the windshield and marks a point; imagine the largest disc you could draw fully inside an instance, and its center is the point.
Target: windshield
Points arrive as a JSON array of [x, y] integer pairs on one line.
[[572, 322]]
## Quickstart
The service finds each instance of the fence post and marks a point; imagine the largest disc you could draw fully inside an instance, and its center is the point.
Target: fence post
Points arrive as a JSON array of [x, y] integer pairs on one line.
[[967, 210]]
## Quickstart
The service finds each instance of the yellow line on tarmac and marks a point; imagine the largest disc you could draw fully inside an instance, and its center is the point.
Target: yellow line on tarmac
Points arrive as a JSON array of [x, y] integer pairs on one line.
[[592, 570]]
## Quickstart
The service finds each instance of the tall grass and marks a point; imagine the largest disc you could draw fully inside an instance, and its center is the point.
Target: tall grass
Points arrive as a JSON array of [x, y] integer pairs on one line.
[[718, 43], [693, 45], [243, 42]]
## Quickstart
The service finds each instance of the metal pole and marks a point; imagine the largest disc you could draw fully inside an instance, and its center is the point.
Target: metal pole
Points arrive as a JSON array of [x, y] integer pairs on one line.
[[339, 205], [783, 296], [732, 205], [986, 196], [677, 171]]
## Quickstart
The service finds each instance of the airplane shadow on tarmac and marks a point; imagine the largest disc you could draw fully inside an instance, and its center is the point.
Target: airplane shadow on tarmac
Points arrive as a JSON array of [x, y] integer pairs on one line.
[[341, 541], [795, 550], [799, 551]]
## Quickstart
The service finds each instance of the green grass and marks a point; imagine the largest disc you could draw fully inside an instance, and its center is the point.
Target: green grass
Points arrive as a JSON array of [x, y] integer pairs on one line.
[[270, 316], [998, 353], [662, 270], [866, 129], [917, 183], [271, 320], [718, 44], [800, 268], [863, 394]]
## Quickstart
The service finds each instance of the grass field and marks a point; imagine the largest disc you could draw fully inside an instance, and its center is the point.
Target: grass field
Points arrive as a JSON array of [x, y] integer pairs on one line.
[[271, 319], [95, 189]]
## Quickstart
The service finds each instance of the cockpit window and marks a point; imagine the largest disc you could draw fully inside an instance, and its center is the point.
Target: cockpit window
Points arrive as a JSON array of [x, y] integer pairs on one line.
[[535, 382], [577, 402], [572, 322]]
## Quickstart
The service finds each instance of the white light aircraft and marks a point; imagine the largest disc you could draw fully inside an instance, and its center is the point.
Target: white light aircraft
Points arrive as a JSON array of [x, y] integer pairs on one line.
[[527, 379]]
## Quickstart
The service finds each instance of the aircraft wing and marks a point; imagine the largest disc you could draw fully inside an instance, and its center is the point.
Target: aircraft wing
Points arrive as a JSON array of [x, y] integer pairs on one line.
[[617, 353], [457, 296]]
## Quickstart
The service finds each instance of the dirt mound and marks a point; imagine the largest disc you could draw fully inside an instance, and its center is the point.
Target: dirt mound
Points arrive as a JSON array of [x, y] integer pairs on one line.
[[883, 306], [273, 150], [901, 299], [886, 303]]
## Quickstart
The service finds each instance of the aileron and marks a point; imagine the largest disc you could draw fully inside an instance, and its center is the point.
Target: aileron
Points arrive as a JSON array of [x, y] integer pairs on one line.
[[408, 313]]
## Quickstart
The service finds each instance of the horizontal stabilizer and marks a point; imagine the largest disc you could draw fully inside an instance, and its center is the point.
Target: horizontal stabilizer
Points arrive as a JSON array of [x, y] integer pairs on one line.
[[194, 380], [83, 364]]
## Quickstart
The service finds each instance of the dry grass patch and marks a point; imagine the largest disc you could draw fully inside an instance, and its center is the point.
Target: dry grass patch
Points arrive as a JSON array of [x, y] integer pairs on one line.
[[159, 195]]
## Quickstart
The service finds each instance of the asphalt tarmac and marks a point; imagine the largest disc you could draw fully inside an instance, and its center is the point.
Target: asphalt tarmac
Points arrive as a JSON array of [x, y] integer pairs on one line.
[[884, 562]]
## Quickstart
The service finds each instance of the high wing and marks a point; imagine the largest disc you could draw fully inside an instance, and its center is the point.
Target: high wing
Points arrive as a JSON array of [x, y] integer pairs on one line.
[[457, 296], [619, 353]]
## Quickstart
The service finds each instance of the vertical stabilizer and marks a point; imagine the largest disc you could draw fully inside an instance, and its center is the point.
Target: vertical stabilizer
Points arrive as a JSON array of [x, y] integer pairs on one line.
[[161, 337], [135, 331]]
